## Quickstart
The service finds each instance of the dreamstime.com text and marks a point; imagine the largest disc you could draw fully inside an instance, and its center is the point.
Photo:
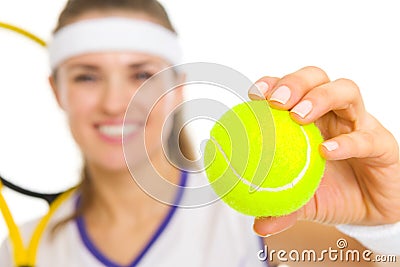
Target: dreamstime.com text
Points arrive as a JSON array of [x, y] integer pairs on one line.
[[338, 254]]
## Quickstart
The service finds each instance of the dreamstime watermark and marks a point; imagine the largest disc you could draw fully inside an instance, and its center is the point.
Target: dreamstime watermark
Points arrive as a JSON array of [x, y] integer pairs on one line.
[[338, 254]]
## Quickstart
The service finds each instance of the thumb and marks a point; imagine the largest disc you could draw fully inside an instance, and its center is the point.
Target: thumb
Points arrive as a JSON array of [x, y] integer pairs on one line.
[[266, 226]]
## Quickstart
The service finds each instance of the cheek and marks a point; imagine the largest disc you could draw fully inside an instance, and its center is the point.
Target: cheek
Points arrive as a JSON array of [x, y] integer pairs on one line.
[[77, 102], [80, 107], [159, 123]]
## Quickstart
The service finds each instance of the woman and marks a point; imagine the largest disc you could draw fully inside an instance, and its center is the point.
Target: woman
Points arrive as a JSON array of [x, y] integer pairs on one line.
[[110, 221]]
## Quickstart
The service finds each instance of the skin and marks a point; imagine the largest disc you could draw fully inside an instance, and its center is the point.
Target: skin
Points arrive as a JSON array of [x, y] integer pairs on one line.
[[361, 183], [360, 186], [306, 236], [94, 90]]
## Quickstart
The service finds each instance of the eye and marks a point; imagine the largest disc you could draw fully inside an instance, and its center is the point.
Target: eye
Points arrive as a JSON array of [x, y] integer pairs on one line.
[[85, 78], [142, 75]]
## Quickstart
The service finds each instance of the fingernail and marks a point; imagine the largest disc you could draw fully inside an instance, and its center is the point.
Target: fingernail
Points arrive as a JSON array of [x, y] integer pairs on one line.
[[331, 145], [261, 235], [281, 95], [303, 108], [258, 91]]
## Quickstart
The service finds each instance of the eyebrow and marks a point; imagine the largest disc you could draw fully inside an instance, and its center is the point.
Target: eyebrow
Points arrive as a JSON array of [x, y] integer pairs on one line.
[[83, 66], [142, 64]]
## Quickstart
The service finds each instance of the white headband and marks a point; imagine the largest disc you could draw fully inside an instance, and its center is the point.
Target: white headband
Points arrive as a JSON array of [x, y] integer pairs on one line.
[[113, 34]]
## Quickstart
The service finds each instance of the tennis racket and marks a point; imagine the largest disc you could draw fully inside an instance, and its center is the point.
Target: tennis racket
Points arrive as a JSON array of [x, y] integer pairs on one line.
[[32, 161]]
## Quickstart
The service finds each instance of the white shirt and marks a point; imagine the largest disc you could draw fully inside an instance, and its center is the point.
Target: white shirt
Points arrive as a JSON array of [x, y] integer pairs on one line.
[[210, 236]]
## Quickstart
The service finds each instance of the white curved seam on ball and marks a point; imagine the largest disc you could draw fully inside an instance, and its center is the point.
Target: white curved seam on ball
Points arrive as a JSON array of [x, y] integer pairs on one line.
[[271, 189]]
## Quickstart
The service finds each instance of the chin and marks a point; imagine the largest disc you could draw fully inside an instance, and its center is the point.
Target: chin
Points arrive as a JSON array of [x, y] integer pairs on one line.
[[115, 166], [110, 161]]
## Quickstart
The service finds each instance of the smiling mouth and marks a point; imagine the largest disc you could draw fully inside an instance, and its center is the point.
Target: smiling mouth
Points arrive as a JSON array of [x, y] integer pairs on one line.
[[116, 132]]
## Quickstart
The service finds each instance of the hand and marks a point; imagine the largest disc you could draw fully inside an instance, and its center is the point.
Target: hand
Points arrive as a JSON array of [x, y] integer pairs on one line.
[[361, 184]]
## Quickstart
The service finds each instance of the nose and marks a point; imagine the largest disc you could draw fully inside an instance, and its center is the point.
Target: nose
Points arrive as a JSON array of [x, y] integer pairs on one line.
[[116, 96]]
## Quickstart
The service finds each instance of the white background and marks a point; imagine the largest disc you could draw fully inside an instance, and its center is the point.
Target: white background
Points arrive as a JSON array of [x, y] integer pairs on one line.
[[353, 39]]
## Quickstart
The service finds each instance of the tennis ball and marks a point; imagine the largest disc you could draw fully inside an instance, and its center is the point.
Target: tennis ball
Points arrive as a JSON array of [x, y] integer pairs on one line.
[[261, 162]]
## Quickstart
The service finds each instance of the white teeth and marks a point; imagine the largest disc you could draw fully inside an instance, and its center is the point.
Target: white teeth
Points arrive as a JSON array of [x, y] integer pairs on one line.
[[130, 128], [116, 130]]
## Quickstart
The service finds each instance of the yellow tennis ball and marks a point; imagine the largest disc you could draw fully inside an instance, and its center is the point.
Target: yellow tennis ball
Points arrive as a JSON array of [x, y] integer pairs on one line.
[[261, 162]]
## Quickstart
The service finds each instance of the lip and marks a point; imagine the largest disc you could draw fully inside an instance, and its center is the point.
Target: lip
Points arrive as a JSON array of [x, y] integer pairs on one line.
[[117, 139]]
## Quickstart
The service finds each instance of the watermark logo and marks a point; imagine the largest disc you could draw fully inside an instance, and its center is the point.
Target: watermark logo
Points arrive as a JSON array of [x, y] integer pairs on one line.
[[340, 253], [152, 106]]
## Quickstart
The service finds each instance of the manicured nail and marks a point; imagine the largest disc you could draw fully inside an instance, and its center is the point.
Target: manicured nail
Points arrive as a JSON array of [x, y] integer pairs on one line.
[[281, 95], [331, 145], [258, 91], [261, 235], [303, 108]]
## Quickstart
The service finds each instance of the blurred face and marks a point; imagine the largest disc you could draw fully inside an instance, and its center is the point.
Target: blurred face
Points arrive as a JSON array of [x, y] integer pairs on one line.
[[95, 90]]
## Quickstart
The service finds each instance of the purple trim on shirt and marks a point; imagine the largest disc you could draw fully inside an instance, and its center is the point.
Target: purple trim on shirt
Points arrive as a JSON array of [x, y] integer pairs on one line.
[[107, 262]]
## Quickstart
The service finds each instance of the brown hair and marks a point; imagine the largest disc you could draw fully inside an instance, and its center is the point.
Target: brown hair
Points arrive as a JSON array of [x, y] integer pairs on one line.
[[152, 8], [75, 8]]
